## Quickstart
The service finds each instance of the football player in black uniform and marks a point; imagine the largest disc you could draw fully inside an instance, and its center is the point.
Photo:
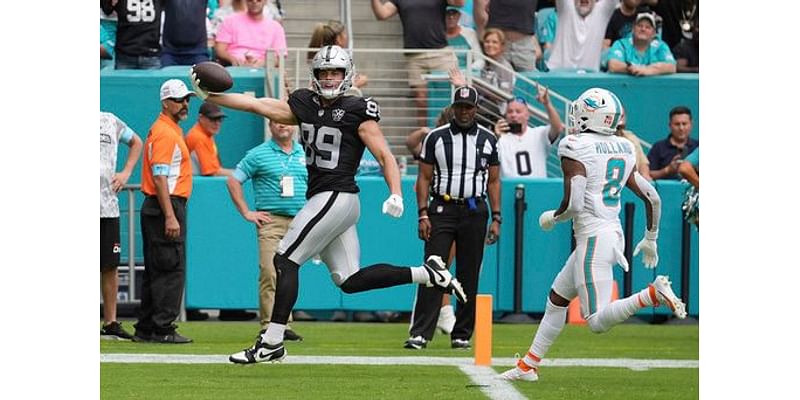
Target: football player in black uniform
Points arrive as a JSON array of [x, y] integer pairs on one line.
[[335, 129]]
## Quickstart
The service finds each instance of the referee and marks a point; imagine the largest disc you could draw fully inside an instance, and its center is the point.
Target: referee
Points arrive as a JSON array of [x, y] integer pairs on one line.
[[459, 168]]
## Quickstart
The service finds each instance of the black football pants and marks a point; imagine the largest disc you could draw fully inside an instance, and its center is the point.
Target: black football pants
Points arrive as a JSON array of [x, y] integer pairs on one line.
[[164, 268], [452, 222]]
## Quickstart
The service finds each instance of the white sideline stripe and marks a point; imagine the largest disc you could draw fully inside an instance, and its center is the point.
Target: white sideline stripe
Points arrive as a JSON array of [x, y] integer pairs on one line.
[[630, 363], [486, 379]]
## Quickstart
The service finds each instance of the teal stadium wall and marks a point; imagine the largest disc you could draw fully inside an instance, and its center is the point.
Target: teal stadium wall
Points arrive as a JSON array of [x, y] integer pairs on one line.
[[222, 260]]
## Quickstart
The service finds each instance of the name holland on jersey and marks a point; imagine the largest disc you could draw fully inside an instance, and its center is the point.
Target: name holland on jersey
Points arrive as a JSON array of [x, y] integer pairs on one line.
[[613, 148]]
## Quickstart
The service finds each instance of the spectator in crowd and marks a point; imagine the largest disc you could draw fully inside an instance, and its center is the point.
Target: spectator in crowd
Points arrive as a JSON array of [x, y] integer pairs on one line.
[[579, 38], [423, 28], [166, 185], [689, 169], [108, 38], [201, 143], [244, 38], [642, 163], [458, 212], [227, 8], [666, 155], [677, 19], [138, 43], [277, 170], [546, 25], [687, 52], [184, 37], [462, 38], [621, 23], [523, 149], [334, 33], [494, 42], [113, 131], [642, 54], [517, 19]]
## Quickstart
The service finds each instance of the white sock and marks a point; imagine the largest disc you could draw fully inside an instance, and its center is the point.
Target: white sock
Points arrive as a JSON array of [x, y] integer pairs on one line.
[[420, 275], [274, 333], [615, 312], [446, 311], [552, 323]]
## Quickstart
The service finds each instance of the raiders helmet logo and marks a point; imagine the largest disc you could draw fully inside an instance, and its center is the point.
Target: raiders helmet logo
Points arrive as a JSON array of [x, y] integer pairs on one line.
[[337, 114]]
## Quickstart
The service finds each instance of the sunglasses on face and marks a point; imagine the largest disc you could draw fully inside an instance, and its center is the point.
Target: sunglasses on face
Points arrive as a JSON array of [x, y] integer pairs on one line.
[[180, 100]]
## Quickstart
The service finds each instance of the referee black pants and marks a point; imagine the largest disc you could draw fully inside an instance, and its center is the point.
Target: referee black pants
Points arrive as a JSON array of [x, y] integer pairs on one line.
[[452, 222], [164, 268]]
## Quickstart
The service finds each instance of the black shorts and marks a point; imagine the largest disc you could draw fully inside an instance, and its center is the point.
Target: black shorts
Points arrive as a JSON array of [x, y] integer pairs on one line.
[[109, 243]]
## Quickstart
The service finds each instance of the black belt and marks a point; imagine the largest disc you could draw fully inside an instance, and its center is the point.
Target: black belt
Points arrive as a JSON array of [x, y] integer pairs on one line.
[[179, 198], [455, 200]]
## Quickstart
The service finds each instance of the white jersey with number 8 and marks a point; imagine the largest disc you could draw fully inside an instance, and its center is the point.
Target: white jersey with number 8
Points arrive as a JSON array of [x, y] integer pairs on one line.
[[609, 161]]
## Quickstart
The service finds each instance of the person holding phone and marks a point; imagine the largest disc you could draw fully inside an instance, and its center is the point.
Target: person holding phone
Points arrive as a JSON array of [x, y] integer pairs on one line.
[[523, 149]]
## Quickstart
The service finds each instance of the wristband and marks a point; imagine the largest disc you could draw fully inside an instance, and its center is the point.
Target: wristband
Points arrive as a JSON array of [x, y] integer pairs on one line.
[[422, 217], [422, 210]]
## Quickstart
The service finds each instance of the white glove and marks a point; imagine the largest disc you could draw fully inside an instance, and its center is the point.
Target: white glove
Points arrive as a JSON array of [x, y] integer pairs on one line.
[[621, 260], [547, 220], [650, 249], [201, 93], [393, 206]]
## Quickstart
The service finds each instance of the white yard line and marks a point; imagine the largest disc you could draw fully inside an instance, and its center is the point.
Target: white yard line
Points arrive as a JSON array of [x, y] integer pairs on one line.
[[482, 377], [630, 363]]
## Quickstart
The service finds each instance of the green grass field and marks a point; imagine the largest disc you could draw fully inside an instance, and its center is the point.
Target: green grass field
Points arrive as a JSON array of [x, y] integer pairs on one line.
[[228, 381]]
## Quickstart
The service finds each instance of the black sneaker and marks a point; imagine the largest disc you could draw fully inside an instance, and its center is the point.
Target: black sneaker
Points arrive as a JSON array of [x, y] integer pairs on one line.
[[196, 315], [460, 344], [415, 343], [142, 337], [291, 336], [170, 338], [260, 352], [114, 331]]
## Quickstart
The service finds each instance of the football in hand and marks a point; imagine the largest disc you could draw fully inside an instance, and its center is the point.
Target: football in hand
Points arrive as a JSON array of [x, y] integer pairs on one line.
[[212, 77]]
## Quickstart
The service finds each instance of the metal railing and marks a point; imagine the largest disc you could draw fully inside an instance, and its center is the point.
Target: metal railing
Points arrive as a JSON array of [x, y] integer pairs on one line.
[[388, 85]]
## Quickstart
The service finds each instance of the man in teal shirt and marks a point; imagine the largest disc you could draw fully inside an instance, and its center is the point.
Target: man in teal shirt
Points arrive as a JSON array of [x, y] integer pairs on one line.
[[641, 54], [278, 171]]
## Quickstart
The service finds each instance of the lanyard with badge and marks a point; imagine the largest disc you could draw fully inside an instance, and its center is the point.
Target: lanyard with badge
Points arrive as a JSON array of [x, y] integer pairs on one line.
[[287, 181]]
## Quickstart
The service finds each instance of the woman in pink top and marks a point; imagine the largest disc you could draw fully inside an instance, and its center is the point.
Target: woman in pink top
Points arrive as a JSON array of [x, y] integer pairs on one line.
[[244, 38]]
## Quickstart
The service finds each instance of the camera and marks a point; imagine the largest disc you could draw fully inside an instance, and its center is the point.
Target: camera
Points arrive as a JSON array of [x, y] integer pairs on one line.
[[514, 127]]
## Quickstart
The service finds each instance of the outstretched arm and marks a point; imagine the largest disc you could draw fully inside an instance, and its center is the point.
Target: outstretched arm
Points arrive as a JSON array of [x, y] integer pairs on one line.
[[274, 109]]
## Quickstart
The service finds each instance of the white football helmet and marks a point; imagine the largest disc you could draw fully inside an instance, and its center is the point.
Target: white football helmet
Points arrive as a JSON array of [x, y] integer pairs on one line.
[[332, 57], [596, 110]]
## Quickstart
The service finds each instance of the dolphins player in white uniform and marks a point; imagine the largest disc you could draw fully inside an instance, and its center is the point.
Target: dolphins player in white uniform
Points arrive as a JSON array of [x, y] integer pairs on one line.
[[596, 164]]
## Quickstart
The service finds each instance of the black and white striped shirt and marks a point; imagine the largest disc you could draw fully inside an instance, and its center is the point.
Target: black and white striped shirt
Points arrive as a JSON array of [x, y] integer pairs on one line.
[[460, 159]]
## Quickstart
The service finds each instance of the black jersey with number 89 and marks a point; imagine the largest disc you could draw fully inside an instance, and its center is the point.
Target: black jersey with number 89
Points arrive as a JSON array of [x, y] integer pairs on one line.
[[329, 136]]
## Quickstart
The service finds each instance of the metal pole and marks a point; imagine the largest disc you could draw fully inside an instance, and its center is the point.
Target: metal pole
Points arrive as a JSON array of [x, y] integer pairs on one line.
[[686, 252], [630, 209], [519, 217], [131, 246]]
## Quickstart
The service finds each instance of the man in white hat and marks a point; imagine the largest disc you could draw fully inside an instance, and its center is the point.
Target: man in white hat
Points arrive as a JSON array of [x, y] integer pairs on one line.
[[167, 185], [641, 54]]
